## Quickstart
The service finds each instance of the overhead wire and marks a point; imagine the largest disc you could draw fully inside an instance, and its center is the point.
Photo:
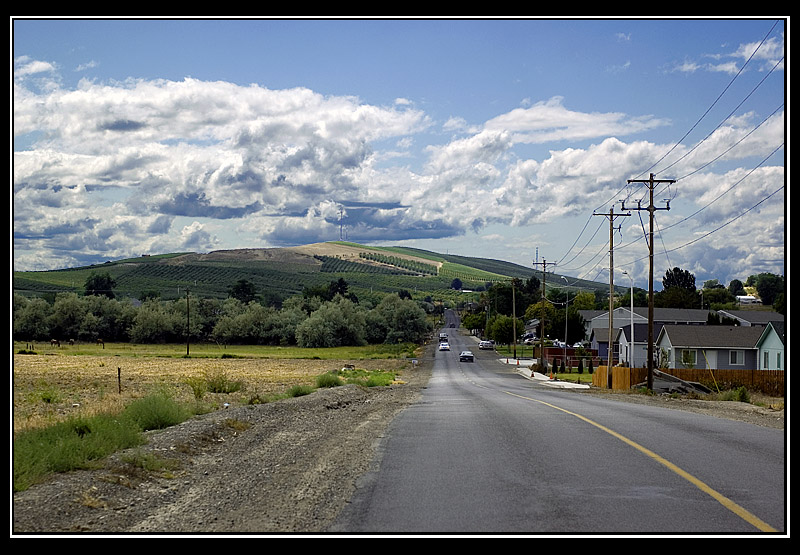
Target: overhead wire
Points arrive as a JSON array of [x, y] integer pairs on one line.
[[631, 192]]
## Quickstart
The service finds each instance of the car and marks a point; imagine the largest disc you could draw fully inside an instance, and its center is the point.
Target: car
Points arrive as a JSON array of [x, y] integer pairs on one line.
[[485, 345], [466, 356], [531, 341], [444, 346]]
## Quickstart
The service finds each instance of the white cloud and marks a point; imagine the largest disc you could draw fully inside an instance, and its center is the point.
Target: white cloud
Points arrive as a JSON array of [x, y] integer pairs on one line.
[[122, 169]]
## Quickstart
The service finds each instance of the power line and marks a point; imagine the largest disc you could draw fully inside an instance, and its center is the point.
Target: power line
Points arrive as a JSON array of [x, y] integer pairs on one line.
[[650, 184]]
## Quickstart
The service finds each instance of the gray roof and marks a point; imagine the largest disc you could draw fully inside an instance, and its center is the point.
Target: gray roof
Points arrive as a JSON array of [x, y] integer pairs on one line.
[[755, 316], [602, 334], [712, 337], [676, 315]]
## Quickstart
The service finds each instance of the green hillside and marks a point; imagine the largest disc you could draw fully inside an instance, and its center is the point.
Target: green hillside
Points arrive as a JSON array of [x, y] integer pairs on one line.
[[278, 273]]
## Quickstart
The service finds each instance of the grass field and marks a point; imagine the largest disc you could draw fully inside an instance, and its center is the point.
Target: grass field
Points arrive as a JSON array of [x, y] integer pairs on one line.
[[56, 383]]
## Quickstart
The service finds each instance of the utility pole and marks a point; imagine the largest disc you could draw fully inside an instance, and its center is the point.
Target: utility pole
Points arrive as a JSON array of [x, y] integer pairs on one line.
[[187, 323], [650, 183], [611, 217], [541, 322]]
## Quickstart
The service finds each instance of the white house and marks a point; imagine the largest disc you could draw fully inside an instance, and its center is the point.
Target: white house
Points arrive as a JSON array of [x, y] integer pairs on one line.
[[772, 347]]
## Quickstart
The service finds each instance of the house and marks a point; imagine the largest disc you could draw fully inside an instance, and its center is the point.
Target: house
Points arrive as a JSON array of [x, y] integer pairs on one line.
[[622, 316], [598, 341], [633, 348], [753, 317], [715, 347], [772, 346], [598, 320]]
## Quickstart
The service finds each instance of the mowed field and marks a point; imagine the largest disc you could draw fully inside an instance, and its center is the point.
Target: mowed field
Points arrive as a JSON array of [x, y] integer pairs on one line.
[[56, 383]]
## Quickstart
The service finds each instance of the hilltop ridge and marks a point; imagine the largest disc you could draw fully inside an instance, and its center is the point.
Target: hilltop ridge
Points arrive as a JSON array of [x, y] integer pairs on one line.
[[279, 272]]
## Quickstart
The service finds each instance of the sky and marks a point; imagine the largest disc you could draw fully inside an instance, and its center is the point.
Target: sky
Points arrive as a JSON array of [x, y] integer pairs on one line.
[[509, 139]]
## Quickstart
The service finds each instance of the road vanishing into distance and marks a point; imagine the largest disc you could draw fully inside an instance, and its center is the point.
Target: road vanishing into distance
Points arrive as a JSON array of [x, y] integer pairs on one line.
[[487, 451]]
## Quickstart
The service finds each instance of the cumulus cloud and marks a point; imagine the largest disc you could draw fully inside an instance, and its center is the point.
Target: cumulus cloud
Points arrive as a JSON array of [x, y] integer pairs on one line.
[[146, 166]]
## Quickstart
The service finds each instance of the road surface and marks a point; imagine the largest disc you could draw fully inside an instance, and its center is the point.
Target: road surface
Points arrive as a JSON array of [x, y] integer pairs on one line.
[[486, 451]]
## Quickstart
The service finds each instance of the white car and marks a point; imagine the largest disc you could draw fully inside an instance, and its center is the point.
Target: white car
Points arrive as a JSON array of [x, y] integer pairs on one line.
[[485, 345], [444, 346]]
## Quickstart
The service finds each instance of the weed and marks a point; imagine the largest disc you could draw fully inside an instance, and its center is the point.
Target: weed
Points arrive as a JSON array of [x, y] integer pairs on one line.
[[329, 379], [217, 381], [300, 390]]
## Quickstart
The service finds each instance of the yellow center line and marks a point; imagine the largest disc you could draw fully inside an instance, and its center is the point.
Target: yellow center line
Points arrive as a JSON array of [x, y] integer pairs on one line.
[[724, 501]]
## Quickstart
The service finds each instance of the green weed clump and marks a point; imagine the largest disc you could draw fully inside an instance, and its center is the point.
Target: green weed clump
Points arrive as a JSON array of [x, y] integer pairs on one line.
[[329, 379], [77, 443], [81, 442], [218, 382], [155, 412], [738, 394], [300, 390]]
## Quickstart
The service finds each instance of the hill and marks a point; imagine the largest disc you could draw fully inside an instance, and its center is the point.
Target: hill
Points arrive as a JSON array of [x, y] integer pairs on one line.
[[278, 273]]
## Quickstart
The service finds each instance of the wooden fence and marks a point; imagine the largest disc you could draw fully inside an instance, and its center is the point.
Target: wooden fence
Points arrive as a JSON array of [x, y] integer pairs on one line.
[[769, 382]]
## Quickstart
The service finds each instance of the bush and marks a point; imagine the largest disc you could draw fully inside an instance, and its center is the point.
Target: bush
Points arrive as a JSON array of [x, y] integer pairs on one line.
[[329, 380], [218, 382], [300, 390], [155, 412]]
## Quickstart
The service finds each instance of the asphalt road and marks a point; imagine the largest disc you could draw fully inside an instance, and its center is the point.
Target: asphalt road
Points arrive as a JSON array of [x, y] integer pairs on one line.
[[486, 451]]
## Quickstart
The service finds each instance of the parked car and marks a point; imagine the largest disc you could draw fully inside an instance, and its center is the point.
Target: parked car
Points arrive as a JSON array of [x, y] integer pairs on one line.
[[466, 356], [531, 341], [485, 345], [444, 346]]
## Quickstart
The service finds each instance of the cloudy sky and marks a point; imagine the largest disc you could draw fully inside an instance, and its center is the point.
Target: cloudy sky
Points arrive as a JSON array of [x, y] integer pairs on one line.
[[504, 139]]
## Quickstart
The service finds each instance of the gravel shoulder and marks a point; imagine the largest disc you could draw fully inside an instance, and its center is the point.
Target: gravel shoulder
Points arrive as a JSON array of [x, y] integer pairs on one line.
[[287, 467]]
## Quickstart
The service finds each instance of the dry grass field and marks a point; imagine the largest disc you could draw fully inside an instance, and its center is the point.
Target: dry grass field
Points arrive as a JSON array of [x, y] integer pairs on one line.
[[56, 383]]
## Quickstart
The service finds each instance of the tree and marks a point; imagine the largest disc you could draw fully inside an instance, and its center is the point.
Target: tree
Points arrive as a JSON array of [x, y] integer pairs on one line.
[[736, 287], [243, 291], [679, 278], [769, 286], [337, 323], [31, 318], [679, 290], [100, 284], [456, 284]]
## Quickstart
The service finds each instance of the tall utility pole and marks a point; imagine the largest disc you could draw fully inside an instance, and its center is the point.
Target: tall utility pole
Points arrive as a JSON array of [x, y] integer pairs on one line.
[[541, 322], [187, 323], [611, 217], [650, 183]]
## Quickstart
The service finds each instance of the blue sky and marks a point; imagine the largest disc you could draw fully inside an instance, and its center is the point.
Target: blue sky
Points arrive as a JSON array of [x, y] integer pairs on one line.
[[490, 138]]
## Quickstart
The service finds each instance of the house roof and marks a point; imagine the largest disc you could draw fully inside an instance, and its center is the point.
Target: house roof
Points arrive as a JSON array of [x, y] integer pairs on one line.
[[602, 334], [779, 328], [755, 316], [675, 315], [712, 337]]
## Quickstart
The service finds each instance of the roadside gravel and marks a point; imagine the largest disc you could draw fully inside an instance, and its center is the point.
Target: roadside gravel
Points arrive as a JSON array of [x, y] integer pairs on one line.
[[287, 467]]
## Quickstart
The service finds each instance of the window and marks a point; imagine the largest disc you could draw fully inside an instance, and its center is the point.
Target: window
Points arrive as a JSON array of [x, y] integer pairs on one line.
[[737, 358], [766, 360], [688, 357], [778, 358]]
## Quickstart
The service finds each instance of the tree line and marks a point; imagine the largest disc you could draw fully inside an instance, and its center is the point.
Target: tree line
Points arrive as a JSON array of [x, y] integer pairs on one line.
[[321, 317]]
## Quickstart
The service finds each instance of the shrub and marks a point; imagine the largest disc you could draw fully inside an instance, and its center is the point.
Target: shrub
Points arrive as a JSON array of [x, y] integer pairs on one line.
[[217, 382], [300, 390], [155, 412], [329, 380]]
